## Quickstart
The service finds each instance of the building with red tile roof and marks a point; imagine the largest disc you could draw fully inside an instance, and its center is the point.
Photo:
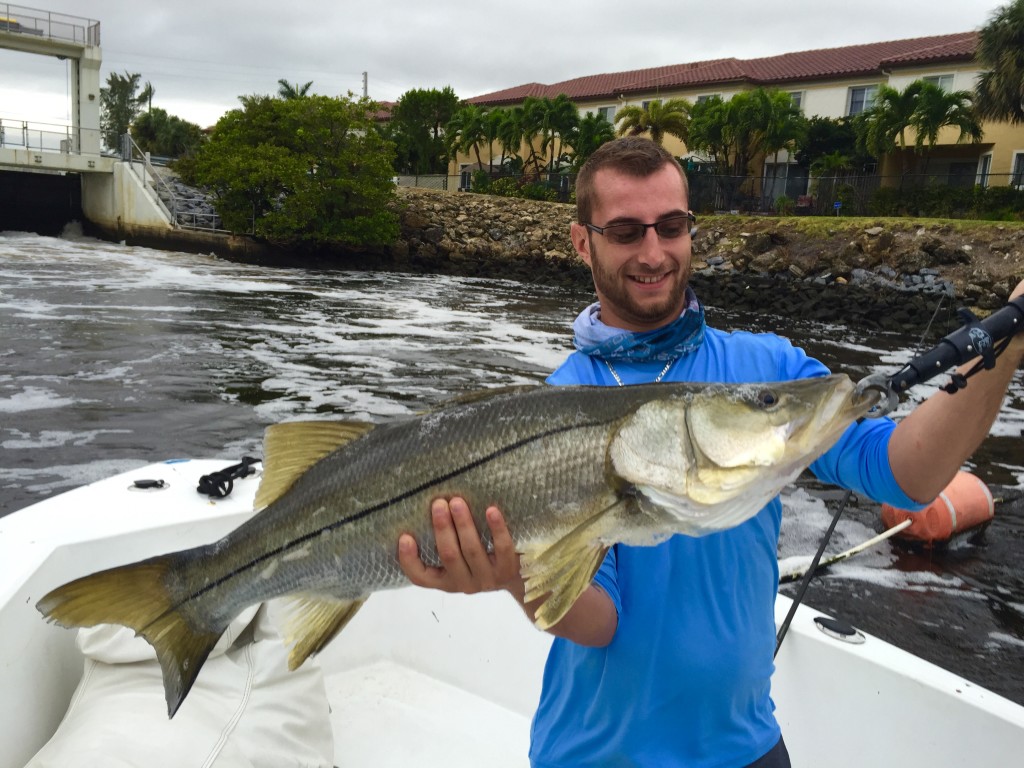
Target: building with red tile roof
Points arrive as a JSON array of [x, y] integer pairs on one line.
[[826, 82]]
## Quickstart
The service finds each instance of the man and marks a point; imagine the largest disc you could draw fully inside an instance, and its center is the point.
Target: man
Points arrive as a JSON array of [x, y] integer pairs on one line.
[[666, 659]]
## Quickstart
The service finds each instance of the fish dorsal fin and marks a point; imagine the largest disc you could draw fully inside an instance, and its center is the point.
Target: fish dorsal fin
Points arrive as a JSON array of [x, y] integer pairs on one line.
[[483, 395], [564, 570], [312, 621], [290, 448]]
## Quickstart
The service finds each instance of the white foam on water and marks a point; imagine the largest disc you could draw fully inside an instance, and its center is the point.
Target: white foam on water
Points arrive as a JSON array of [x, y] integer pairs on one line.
[[49, 438], [1001, 639], [35, 399], [62, 476]]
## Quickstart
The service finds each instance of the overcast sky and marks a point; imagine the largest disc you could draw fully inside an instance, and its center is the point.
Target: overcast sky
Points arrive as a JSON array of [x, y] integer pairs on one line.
[[200, 56]]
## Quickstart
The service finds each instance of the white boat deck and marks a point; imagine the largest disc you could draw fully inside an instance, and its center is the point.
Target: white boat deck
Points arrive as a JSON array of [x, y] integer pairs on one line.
[[425, 678]]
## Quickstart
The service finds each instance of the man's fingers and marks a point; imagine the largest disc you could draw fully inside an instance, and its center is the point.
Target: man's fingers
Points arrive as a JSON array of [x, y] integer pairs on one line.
[[418, 572], [505, 558], [473, 552], [446, 539]]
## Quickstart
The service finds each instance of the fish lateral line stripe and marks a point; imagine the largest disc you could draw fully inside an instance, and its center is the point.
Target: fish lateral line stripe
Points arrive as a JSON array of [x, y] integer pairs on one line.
[[355, 517]]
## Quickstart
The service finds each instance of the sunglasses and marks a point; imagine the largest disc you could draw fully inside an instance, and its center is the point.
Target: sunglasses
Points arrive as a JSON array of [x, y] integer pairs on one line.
[[628, 233]]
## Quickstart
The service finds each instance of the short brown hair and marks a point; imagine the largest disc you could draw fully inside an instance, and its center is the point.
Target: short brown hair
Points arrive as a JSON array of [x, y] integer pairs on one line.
[[631, 155]]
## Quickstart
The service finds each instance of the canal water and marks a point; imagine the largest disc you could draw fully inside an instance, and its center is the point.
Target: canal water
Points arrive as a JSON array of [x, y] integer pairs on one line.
[[112, 357]]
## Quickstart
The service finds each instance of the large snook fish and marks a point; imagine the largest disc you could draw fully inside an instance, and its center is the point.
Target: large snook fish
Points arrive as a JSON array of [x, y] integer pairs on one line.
[[574, 469]]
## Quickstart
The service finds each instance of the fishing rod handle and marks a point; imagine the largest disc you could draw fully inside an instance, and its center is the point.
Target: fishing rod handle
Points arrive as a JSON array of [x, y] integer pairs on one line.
[[975, 338]]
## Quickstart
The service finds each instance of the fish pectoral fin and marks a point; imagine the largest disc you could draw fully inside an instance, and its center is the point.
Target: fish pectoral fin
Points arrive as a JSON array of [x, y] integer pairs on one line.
[[312, 622], [292, 447], [564, 570]]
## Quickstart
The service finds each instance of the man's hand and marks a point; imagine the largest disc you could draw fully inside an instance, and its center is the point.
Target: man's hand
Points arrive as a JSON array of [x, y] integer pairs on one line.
[[466, 566]]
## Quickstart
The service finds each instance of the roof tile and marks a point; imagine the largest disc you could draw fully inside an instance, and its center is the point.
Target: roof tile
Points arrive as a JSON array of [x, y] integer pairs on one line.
[[824, 63]]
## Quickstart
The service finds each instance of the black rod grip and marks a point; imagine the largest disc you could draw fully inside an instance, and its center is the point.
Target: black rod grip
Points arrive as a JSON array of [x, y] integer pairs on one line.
[[962, 345]]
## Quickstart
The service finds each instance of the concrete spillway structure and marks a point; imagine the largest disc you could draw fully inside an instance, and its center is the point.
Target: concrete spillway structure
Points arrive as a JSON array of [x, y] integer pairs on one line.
[[112, 194]]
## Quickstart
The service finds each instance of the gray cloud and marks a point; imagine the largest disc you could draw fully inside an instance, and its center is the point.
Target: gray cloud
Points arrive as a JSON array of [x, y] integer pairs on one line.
[[200, 56]]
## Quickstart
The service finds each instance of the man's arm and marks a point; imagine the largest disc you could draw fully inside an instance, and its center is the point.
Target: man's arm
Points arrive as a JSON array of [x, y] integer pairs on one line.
[[929, 445], [467, 567]]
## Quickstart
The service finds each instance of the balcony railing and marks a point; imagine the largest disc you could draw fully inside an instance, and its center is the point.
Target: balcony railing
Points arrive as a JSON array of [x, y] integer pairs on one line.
[[18, 19], [45, 137]]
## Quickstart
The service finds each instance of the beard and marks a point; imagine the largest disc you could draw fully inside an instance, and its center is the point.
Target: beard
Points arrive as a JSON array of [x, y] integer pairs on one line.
[[613, 290]]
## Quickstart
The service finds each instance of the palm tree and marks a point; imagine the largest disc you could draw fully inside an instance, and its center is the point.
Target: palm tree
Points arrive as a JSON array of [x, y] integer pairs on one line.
[[591, 132], [936, 109], [288, 91], [493, 121], [779, 124], [708, 132], [511, 133], [656, 118], [534, 117], [466, 131], [147, 96], [1000, 88], [561, 119], [882, 128]]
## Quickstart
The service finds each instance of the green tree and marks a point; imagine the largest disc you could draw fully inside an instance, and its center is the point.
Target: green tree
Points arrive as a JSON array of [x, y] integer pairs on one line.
[[300, 172], [466, 131], [1000, 87], [146, 96], [831, 136], [120, 104], [591, 132], [165, 135], [938, 109], [286, 90], [780, 124], [882, 128], [511, 135], [532, 118], [560, 118], [923, 108], [420, 117], [656, 118]]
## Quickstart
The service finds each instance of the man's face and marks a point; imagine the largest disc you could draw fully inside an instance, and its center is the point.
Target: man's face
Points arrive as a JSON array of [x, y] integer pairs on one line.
[[642, 285]]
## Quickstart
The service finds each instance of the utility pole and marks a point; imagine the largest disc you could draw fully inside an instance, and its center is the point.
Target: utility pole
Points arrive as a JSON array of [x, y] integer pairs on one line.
[[366, 87]]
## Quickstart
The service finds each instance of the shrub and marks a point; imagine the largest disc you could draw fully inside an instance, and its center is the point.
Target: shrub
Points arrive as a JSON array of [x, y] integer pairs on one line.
[[505, 187], [481, 181], [784, 205]]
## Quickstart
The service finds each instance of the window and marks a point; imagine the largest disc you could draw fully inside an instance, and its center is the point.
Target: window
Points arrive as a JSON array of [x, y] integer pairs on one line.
[[984, 169], [706, 96], [1017, 179], [797, 97], [861, 98], [945, 82], [644, 105], [608, 113]]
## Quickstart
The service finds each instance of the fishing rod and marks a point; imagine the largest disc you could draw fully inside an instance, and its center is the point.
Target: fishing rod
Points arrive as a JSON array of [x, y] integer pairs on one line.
[[984, 339]]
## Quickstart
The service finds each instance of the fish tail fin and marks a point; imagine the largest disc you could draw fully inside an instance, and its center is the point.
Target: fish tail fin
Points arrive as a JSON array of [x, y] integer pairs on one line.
[[136, 596]]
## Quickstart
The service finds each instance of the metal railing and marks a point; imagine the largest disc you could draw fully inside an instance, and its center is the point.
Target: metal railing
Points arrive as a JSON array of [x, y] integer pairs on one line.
[[179, 210], [943, 193], [18, 19], [45, 137]]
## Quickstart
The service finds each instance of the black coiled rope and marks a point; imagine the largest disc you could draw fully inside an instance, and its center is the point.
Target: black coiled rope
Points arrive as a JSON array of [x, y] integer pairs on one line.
[[219, 484]]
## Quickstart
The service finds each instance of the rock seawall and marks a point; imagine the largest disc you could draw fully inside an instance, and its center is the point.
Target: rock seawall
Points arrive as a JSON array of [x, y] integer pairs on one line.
[[887, 273], [890, 273]]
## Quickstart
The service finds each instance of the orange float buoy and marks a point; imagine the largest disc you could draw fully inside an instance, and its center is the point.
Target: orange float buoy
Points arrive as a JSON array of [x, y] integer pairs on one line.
[[966, 503]]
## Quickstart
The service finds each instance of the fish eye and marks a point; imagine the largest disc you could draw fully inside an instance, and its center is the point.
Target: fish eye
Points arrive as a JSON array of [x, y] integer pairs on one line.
[[766, 398]]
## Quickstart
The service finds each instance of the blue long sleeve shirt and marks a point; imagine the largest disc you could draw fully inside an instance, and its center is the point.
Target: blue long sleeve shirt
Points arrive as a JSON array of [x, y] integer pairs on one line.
[[686, 679]]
